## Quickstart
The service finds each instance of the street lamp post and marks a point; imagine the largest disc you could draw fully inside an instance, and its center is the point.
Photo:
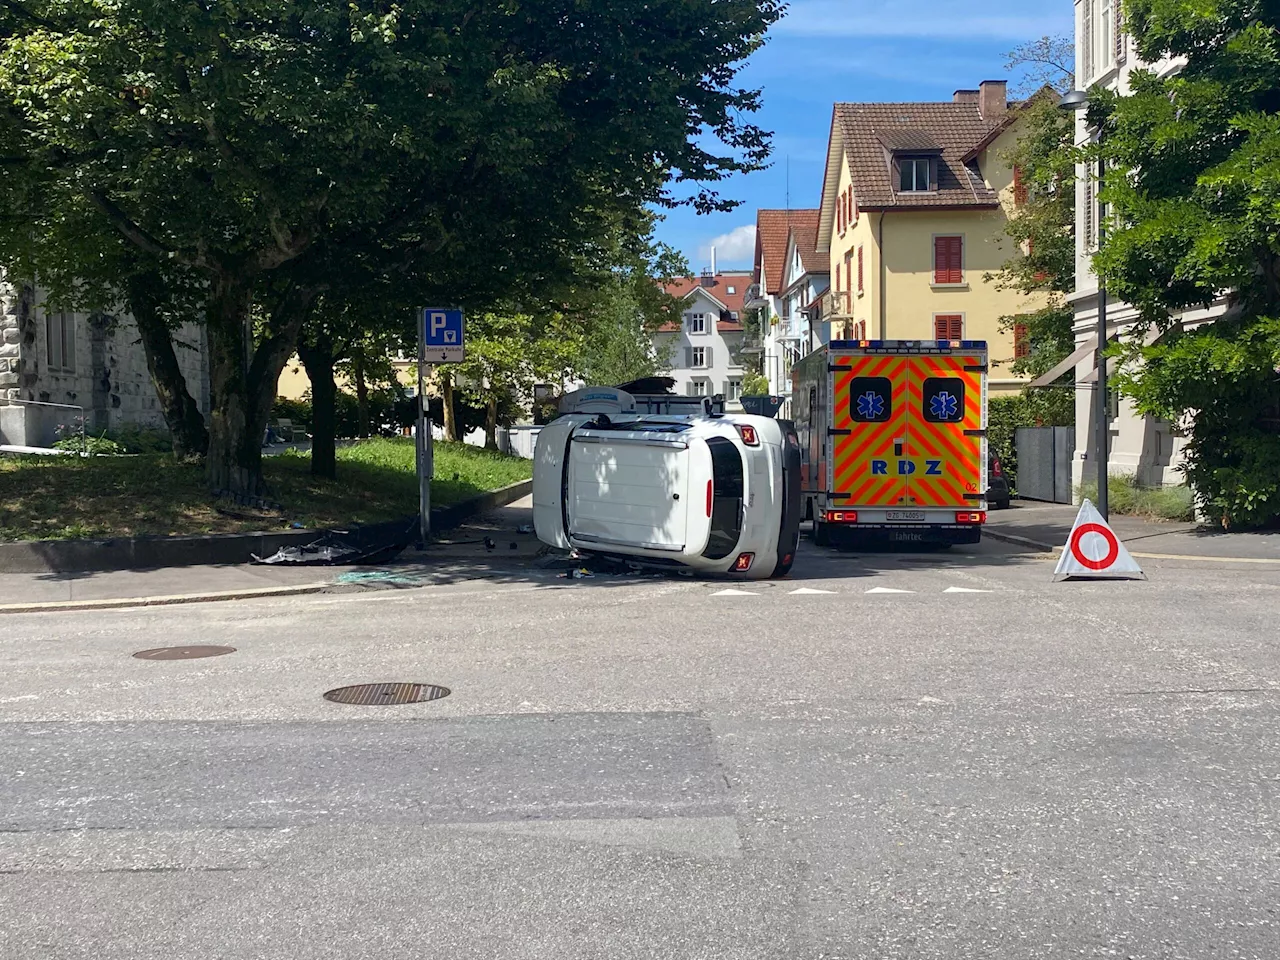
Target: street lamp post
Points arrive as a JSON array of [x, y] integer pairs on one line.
[[1075, 100]]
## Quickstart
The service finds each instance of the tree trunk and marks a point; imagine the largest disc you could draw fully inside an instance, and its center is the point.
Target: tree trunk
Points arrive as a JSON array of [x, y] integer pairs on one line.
[[446, 404], [318, 358], [491, 424], [181, 413], [364, 426], [243, 379]]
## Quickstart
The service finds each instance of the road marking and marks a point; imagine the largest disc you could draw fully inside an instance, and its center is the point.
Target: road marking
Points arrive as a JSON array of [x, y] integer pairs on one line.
[[888, 590], [807, 591], [734, 593], [964, 590]]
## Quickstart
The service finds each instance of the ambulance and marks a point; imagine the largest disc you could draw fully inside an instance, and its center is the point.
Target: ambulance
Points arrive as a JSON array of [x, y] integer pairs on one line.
[[893, 441]]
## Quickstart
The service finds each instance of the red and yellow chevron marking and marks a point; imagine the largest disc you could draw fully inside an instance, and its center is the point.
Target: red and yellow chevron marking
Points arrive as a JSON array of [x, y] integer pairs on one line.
[[853, 454], [961, 455]]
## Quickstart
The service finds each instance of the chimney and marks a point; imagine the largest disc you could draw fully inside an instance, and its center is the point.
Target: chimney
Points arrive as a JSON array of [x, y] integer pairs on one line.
[[993, 99], [965, 96], [708, 279], [713, 262]]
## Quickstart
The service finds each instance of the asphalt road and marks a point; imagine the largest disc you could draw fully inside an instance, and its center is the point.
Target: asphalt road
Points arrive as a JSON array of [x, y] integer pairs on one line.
[[983, 765]]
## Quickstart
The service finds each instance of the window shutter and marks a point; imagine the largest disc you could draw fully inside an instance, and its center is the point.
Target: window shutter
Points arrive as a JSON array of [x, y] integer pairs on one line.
[[1086, 47], [1118, 31], [948, 259], [948, 326], [860, 272], [1087, 227], [688, 357], [1019, 187], [1021, 341], [853, 201], [706, 357]]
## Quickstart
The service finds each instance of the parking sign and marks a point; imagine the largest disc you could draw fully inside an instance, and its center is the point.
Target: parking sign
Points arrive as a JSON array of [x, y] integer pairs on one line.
[[442, 335]]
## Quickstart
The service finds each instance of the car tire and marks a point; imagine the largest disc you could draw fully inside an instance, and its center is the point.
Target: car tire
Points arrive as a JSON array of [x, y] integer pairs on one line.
[[1000, 505], [821, 534]]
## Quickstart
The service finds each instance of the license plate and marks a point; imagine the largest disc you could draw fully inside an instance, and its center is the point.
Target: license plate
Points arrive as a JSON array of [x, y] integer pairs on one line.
[[905, 515]]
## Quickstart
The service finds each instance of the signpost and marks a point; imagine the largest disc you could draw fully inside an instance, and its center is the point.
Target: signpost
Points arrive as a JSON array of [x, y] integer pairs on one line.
[[440, 340]]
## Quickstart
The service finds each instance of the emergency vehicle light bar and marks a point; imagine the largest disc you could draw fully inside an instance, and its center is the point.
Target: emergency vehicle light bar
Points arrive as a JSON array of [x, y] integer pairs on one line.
[[908, 346]]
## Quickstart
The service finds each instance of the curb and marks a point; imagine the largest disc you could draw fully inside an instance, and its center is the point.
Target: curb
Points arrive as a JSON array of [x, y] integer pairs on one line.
[[1037, 545], [1018, 541], [149, 553], [116, 603]]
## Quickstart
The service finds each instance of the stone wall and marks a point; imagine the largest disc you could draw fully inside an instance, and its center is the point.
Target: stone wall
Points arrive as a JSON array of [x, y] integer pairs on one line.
[[108, 377]]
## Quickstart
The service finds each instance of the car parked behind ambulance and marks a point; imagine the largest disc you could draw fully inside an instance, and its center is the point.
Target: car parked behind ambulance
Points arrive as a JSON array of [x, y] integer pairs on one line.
[[717, 494]]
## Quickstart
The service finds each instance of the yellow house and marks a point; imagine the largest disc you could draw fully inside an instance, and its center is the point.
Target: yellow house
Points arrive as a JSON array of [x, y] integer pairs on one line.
[[914, 203], [294, 384]]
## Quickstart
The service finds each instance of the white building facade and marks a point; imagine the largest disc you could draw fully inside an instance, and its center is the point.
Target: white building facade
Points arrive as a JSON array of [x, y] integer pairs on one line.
[[1143, 446], [704, 353]]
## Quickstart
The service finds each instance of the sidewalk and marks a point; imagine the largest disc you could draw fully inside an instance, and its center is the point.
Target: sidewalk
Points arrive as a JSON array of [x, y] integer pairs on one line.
[[460, 555], [1046, 526]]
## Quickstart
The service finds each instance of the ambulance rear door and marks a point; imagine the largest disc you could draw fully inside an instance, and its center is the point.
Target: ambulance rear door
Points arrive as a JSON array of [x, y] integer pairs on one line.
[[869, 416], [945, 460]]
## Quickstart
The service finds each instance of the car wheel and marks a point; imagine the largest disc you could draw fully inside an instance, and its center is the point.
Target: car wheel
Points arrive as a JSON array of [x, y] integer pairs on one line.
[[821, 534], [1000, 505]]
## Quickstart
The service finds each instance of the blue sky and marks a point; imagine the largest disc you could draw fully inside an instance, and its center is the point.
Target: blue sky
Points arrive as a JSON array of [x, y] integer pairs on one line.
[[824, 51]]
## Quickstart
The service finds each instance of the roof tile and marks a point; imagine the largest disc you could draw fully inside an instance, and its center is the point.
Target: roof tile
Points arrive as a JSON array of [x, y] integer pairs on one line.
[[955, 128]]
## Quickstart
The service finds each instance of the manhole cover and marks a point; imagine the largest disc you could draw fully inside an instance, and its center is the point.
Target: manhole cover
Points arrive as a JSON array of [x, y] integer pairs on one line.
[[386, 694], [183, 653]]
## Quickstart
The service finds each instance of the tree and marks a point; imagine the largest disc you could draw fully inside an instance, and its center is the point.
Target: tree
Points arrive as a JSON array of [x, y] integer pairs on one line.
[[1043, 229], [268, 146], [1047, 62], [507, 353], [1192, 200], [624, 310]]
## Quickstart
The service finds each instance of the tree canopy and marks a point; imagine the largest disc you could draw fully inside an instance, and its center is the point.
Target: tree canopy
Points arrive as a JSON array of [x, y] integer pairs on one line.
[[276, 149], [1194, 194]]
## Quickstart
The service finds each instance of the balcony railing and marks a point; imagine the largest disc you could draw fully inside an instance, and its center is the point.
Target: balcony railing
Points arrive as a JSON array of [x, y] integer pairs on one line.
[[836, 305]]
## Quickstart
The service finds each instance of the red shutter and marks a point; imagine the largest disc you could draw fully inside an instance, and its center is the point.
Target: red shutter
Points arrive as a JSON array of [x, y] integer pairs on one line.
[[948, 259], [859, 269], [948, 326], [1021, 341], [1019, 187]]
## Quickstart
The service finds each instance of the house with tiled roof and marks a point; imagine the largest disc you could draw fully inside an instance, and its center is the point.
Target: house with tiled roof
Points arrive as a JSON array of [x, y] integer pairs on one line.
[[790, 275], [705, 347], [915, 200]]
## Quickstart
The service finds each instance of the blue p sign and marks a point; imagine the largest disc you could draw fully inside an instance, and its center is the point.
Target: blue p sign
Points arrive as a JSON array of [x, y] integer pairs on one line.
[[442, 335]]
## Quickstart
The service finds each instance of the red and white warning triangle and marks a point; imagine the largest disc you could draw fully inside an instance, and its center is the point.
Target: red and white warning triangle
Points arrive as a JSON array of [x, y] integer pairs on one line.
[[1093, 550]]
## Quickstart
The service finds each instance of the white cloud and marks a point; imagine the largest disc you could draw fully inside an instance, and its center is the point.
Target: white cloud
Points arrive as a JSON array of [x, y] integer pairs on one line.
[[735, 247], [945, 19]]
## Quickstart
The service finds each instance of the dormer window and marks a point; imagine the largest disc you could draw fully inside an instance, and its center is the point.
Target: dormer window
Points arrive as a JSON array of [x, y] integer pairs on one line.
[[916, 174]]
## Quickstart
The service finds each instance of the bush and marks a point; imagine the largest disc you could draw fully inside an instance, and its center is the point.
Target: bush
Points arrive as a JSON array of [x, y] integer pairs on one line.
[[93, 446], [132, 438], [755, 385], [1128, 498], [297, 412]]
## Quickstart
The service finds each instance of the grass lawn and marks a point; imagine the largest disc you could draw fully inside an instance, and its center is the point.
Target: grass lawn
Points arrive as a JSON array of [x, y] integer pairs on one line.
[[66, 497], [1126, 497]]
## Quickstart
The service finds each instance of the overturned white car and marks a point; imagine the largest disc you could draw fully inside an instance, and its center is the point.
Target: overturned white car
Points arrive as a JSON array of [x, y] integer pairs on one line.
[[712, 493]]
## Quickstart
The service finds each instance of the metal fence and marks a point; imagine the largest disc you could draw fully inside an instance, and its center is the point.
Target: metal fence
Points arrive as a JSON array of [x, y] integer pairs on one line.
[[1044, 462]]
